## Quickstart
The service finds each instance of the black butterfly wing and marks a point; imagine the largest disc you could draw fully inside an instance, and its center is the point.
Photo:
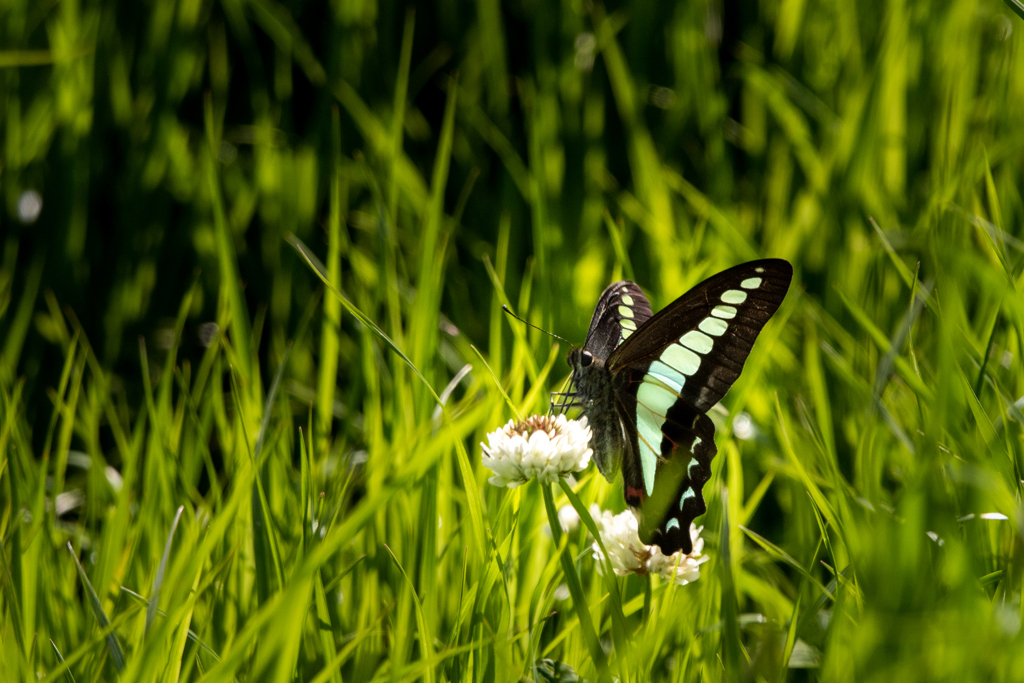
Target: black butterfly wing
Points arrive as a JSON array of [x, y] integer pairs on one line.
[[620, 311], [670, 372], [687, 447], [722, 316]]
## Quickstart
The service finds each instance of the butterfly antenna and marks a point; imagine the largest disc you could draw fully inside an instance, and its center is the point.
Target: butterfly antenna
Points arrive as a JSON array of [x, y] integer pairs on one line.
[[509, 311]]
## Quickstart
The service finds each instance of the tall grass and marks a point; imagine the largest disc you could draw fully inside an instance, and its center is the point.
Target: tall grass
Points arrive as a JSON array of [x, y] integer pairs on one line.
[[253, 339]]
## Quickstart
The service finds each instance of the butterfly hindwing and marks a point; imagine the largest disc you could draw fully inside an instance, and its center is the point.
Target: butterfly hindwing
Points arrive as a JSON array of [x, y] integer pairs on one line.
[[683, 464], [620, 311], [678, 496]]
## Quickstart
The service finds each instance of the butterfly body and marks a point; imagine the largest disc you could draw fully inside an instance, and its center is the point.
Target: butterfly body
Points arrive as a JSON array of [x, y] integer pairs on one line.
[[596, 387], [646, 381]]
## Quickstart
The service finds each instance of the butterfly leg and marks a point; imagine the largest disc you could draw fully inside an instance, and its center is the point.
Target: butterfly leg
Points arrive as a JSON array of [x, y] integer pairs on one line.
[[568, 400]]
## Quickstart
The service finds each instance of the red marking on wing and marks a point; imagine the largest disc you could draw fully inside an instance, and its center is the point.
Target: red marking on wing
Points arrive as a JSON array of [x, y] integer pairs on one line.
[[634, 497]]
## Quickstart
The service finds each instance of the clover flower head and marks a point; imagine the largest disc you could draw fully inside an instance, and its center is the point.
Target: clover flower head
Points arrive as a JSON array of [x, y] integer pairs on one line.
[[568, 520], [541, 446], [629, 555]]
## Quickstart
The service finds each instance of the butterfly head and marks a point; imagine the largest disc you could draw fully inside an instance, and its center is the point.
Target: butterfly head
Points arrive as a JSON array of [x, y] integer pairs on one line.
[[586, 368], [580, 358], [582, 363], [590, 381]]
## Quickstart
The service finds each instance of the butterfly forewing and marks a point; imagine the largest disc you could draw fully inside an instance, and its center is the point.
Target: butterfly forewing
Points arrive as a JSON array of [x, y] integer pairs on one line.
[[620, 311], [698, 344]]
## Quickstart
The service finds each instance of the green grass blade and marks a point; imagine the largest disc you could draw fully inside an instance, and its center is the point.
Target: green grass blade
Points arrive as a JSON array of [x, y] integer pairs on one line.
[[158, 580], [19, 327], [780, 555], [465, 470], [60, 658], [904, 370], [329, 333], [426, 636], [787, 650], [229, 278], [113, 645], [572, 580], [731, 646]]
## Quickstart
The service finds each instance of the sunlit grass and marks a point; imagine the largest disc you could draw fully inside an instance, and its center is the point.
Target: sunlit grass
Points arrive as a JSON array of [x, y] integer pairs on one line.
[[290, 331]]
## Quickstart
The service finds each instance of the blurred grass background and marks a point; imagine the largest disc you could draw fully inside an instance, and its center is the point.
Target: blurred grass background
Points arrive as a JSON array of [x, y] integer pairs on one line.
[[165, 343]]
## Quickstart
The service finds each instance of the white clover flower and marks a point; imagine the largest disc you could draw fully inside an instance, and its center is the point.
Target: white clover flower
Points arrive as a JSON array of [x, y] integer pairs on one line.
[[629, 555], [568, 520], [541, 446]]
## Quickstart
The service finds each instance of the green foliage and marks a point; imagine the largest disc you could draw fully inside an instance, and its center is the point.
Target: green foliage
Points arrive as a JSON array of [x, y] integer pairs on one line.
[[309, 215]]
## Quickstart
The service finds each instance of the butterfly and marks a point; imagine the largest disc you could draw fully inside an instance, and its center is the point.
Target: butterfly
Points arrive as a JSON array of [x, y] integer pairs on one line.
[[645, 383]]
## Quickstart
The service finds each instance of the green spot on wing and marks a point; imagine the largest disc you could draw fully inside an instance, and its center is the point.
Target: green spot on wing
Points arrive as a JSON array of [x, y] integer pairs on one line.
[[734, 296], [724, 312], [649, 432], [667, 374], [698, 341], [713, 326], [657, 398], [683, 360]]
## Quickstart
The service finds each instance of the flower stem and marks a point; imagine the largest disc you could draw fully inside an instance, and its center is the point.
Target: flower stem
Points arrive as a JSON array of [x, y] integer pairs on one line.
[[572, 580], [619, 631]]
